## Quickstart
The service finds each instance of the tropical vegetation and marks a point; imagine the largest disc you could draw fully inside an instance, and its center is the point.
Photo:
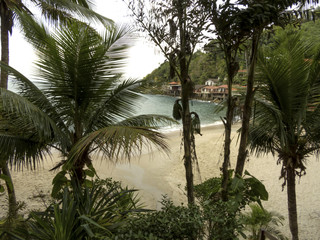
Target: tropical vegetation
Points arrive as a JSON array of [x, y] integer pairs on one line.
[[208, 62], [79, 104], [261, 219], [176, 28], [59, 11], [94, 212], [288, 110]]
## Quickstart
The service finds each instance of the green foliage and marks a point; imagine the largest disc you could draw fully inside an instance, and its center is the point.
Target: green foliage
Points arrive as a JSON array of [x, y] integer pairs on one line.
[[6, 227], [241, 190], [287, 101], [61, 180], [202, 67], [205, 66], [210, 63], [207, 189], [222, 219], [177, 110], [247, 189], [159, 75], [170, 223], [259, 218], [82, 213], [79, 102], [287, 117], [195, 123]]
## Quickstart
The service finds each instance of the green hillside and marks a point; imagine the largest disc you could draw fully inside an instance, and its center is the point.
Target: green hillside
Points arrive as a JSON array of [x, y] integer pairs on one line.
[[209, 63]]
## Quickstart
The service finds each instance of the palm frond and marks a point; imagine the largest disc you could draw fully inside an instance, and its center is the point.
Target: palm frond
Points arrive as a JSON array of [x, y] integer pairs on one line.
[[267, 132], [30, 91], [21, 151], [25, 115], [63, 11], [79, 100], [118, 103], [287, 84], [119, 142]]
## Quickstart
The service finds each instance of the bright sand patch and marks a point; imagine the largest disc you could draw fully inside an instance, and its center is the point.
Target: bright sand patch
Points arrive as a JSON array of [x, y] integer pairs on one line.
[[156, 173]]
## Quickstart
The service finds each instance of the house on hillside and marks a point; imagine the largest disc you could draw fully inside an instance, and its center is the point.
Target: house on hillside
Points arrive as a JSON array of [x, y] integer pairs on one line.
[[211, 82], [197, 91], [207, 92], [174, 89], [215, 93]]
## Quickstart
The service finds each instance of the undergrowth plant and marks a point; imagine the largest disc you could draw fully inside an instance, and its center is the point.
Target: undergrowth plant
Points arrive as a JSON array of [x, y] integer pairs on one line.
[[81, 212]]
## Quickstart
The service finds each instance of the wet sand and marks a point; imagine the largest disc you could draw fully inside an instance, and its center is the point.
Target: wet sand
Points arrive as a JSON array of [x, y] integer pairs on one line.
[[156, 173]]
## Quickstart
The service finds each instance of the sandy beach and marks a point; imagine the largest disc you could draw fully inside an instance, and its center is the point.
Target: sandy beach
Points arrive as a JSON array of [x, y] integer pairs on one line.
[[156, 173]]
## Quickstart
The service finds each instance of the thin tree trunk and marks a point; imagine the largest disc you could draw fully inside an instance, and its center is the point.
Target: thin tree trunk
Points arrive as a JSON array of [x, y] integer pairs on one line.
[[292, 203], [186, 121], [186, 118], [227, 140], [5, 29], [12, 213], [242, 153]]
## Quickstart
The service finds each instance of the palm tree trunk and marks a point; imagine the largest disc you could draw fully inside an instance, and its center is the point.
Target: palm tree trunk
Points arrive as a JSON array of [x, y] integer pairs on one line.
[[5, 29], [242, 153], [12, 213], [292, 203]]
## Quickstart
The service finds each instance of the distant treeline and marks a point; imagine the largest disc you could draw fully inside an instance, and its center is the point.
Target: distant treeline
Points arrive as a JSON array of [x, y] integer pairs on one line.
[[208, 63]]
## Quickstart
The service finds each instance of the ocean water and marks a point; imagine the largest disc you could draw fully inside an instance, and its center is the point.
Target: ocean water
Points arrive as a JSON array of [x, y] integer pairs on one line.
[[163, 105]]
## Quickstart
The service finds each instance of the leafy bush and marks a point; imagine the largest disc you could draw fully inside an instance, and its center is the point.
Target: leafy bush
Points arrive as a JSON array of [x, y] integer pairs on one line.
[[208, 189], [259, 218], [222, 219], [171, 223], [82, 213]]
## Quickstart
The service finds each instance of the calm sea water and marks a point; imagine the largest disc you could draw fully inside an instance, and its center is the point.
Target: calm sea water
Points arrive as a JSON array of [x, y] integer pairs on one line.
[[161, 104]]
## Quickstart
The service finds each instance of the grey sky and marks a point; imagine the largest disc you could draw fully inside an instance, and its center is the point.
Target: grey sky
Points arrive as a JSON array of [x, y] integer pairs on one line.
[[143, 56]]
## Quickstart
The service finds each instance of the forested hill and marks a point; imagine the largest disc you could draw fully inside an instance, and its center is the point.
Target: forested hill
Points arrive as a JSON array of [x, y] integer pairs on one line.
[[203, 66], [210, 63]]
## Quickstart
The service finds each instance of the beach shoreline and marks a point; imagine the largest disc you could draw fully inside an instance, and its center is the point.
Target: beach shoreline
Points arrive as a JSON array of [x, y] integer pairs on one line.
[[156, 174]]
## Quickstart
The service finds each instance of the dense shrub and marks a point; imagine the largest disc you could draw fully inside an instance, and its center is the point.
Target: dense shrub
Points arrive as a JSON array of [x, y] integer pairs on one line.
[[170, 223], [83, 212], [223, 219]]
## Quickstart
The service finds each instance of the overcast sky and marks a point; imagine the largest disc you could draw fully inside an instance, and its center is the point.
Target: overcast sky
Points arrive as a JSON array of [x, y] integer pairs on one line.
[[143, 56]]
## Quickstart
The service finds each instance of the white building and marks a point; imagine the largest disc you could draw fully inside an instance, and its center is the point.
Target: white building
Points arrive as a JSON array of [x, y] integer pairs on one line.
[[211, 82]]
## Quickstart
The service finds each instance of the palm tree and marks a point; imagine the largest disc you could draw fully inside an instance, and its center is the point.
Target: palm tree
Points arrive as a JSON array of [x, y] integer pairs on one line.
[[259, 218], [78, 103], [55, 11], [287, 117]]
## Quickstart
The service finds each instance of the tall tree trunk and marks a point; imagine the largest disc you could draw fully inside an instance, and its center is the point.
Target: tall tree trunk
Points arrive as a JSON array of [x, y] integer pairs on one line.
[[242, 153], [292, 203], [6, 27], [186, 89], [227, 125], [186, 121]]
